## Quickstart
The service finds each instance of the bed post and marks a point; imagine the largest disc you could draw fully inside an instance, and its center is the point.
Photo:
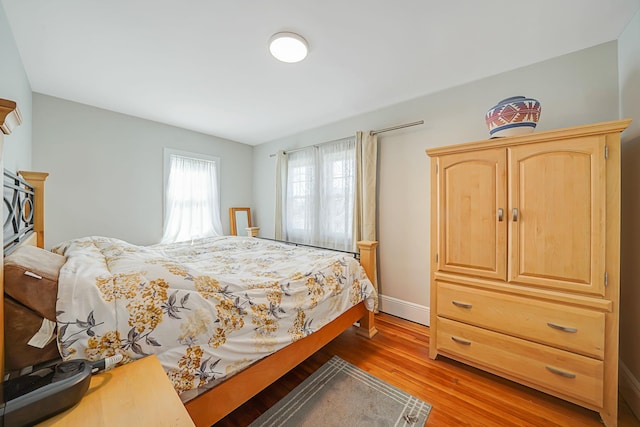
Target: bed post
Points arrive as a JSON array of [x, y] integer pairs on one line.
[[36, 179], [368, 261]]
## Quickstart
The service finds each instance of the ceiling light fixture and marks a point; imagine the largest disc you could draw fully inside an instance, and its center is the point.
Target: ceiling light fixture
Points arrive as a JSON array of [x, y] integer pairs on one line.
[[288, 47]]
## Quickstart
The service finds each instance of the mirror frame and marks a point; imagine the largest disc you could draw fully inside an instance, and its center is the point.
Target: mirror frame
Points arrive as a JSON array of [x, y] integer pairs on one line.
[[232, 218]]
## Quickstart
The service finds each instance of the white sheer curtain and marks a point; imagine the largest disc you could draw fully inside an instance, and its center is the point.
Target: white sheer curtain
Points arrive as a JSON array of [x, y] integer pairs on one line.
[[191, 200], [336, 193], [318, 189], [281, 187], [301, 197]]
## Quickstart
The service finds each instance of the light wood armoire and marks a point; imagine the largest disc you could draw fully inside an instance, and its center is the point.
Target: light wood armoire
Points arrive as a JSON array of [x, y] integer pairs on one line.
[[525, 260]]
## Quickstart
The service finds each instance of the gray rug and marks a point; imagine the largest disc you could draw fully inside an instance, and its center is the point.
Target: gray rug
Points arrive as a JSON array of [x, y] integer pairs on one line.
[[340, 394]]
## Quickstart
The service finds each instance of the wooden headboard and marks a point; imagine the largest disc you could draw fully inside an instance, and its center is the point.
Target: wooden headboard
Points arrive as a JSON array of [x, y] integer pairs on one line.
[[18, 214], [23, 209], [23, 213]]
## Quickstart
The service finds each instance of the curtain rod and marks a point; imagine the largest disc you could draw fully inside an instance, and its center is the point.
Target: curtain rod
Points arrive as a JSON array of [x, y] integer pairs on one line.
[[373, 132]]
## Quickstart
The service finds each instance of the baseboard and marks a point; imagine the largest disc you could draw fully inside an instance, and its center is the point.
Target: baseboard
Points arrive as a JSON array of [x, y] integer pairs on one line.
[[404, 309], [629, 388]]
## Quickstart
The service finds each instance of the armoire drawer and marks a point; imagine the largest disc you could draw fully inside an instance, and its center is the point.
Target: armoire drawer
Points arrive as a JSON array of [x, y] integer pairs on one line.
[[555, 370], [575, 329]]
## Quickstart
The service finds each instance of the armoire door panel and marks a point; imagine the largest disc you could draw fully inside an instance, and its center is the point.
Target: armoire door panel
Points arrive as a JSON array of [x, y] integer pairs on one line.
[[472, 203], [557, 239]]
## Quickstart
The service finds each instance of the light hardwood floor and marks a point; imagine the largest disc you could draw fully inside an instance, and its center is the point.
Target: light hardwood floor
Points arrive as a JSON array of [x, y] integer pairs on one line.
[[460, 395]]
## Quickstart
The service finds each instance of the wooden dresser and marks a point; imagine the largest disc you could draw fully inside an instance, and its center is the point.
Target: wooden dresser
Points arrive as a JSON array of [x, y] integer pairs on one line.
[[525, 260]]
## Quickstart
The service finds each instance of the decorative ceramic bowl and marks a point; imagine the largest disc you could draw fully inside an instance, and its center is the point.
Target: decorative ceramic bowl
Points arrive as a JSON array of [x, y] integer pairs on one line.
[[513, 116]]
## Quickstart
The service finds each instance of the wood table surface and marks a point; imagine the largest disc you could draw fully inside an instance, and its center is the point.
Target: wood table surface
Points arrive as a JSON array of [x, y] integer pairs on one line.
[[137, 394]]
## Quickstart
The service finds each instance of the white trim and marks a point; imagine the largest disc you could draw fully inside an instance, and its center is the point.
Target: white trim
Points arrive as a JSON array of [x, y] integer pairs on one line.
[[629, 388], [404, 309]]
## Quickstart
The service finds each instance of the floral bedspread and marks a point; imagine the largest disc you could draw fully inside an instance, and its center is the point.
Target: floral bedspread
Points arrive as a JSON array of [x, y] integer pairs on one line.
[[206, 308]]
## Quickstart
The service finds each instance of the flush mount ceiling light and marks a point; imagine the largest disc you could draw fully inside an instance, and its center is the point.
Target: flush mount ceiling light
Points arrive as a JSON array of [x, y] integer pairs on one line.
[[288, 47]]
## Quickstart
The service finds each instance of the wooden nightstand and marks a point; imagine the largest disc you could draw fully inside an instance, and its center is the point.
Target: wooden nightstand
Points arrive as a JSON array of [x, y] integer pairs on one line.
[[136, 394], [252, 231]]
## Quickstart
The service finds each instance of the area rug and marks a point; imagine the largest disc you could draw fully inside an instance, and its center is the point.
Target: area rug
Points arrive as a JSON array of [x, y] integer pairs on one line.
[[340, 394]]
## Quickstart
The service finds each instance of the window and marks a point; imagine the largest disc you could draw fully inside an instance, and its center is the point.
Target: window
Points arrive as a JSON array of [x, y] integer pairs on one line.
[[191, 196], [320, 196]]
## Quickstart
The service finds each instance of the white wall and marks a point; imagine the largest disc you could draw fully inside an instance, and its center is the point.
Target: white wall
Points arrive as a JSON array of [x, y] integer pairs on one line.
[[629, 76], [629, 70], [574, 89], [14, 85], [106, 170]]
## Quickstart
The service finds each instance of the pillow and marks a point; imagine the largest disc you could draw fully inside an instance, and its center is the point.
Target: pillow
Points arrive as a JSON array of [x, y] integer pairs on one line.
[[21, 327], [31, 278], [31, 290]]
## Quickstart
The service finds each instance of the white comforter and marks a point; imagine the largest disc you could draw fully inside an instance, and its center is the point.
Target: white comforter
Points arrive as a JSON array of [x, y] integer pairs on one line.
[[206, 309]]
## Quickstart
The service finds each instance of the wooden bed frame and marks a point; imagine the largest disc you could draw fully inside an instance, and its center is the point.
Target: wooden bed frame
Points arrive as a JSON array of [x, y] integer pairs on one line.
[[214, 404]]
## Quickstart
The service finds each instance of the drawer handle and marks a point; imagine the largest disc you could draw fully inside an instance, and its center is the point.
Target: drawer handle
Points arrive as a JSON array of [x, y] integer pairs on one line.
[[461, 341], [461, 304], [560, 372], [562, 328]]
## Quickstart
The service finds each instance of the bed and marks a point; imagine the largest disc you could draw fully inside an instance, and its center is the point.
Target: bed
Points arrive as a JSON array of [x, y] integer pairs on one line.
[[181, 280]]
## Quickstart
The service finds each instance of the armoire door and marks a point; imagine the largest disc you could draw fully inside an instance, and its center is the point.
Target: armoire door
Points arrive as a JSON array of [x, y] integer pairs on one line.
[[472, 223], [557, 201]]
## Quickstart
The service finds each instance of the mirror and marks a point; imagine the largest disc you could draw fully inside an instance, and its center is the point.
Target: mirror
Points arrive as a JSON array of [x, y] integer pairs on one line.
[[240, 219]]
